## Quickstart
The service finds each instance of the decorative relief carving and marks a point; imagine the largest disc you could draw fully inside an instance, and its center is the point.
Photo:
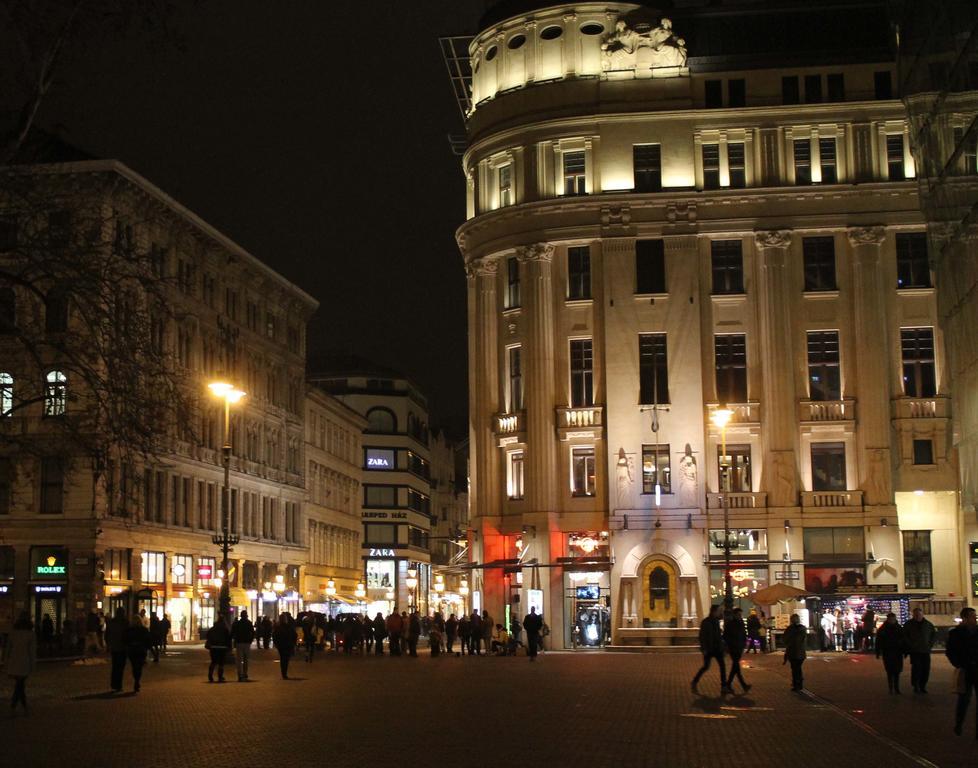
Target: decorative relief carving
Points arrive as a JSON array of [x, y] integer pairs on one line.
[[774, 238], [681, 213], [866, 235], [627, 48], [536, 252], [487, 267], [616, 216]]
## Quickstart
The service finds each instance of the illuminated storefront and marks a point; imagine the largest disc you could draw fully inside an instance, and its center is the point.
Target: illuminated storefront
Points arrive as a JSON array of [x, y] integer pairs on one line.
[[587, 590], [749, 570], [49, 584]]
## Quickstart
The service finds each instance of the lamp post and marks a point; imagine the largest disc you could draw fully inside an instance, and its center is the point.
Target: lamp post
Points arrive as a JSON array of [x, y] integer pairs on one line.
[[412, 583], [225, 540], [720, 417]]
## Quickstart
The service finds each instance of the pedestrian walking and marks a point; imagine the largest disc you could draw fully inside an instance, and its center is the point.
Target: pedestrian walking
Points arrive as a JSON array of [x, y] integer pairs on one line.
[[891, 645], [753, 632], [735, 638], [155, 640], [532, 625], [115, 639], [20, 658], [414, 632], [394, 628], [218, 642], [165, 626], [962, 652], [869, 630], [243, 635], [367, 629], [839, 629], [711, 646], [380, 632], [451, 632], [795, 639], [921, 636], [284, 637], [138, 644], [266, 632], [309, 636]]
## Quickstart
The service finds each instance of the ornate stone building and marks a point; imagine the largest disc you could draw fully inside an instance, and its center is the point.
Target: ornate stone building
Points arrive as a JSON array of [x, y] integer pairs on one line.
[[669, 213]]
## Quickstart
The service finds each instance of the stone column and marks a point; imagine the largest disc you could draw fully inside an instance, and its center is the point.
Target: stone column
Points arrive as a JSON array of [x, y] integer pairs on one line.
[[779, 475], [872, 377], [541, 458]]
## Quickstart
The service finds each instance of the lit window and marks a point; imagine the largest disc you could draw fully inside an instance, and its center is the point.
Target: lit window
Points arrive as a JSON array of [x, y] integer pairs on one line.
[[894, 157], [582, 471], [656, 469], [515, 479], [574, 173], [6, 394], [505, 185], [55, 394]]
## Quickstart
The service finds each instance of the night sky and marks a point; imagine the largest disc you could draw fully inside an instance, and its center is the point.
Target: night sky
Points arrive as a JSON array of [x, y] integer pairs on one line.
[[313, 133]]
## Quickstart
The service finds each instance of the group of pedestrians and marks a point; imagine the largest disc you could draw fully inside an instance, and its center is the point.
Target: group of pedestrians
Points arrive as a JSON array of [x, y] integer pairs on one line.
[[716, 641]]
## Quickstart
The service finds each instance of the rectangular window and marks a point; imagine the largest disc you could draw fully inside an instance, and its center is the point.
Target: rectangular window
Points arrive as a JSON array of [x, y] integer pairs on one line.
[[736, 165], [913, 266], [117, 564], [574, 173], [711, 166], [183, 569], [6, 485], [883, 85], [923, 452], [828, 545], [579, 272], [813, 89], [803, 161], [515, 379], [737, 93], [379, 459], [790, 93], [734, 469], [730, 353], [827, 160], [153, 569], [512, 282], [514, 480], [505, 185], [582, 471], [836, 86], [824, 382], [656, 468], [894, 157], [376, 533], [653, 368], [647, 164], [379, 496], [206, 565], [828, 466], [818, 255], [970, 153], [727, 261], [650, 266], [582, 373], [919, 373], [52, 486], [917, 568], [713, 94]]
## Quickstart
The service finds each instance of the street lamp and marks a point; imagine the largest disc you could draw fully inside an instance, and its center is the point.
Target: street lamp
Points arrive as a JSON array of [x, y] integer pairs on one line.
[[720, 417], [226, 539], [412, 582]]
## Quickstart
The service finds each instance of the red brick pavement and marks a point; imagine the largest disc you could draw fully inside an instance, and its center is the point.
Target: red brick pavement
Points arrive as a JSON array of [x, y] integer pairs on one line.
[[589, 709]]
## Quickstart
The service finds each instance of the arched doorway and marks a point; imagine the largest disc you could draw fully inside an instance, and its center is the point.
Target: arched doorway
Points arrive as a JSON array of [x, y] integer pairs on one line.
[[660, 600]]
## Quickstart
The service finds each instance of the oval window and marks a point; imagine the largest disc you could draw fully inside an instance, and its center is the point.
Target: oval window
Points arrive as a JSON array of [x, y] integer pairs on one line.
[[551, 33], [516, 42], [592, 29], [491, 54]]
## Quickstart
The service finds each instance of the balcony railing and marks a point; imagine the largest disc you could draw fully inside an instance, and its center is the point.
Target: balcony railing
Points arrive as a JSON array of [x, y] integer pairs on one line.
[[743, 413], [587, 420], [737, 500], [832, 498], [510, 423], [827, 410], [921, 407]]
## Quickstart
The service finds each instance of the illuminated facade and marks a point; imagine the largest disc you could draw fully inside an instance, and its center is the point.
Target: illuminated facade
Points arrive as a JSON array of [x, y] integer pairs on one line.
[[665, 217], [77, 537]]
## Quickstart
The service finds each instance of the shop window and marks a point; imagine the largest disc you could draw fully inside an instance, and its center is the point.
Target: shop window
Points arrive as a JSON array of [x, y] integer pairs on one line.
[[730, 353], [824, 380], [736, 164], [827, 160], [727, 264], [917, 349], [579, 272], [514, 479], [711, 166], [581, 373], [834, 544], [745, 579], [653, 369], [923, 452], [659, 589], [913, 264], [647, 165], [656, 468], [746, 542], [206, 565], [515, 366], [117, 563], [153, 568], [818, 255], [52, 486], [183, 569], [512, 283], [828, 467], [650, 266], [575, 178], [582, 471], [917, 568], [734, 469]]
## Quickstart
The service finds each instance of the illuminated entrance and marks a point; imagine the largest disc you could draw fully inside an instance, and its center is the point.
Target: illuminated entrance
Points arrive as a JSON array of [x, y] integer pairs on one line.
[[660, 606]]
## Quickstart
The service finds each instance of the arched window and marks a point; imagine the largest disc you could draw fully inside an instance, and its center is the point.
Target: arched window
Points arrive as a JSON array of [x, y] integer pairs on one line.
[[55, 394], [8, 310], [659, 587], [381, 420], [6, 394], [56, 310]]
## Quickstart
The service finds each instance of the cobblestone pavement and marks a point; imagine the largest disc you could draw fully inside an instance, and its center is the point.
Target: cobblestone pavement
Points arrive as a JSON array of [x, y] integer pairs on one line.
[[587, 709]]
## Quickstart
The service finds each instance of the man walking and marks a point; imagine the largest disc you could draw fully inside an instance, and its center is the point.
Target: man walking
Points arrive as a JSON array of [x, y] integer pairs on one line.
[[920, 636], [115, 639], [962, 652], [218, 642], [243, 634], [532, 624], [795, 638], [711, 646], [735, 638]]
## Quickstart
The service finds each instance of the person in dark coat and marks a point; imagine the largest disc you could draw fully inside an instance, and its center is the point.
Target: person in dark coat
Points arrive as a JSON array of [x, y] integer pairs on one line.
[[284, 637], [475, 634], [266, 632], [451, 632], [367, 629], [532, 625], [20, 659], [380, 632], [47, 635], [218, 642], [464, 634], [115, 639], [138, 644], [920, 635], [735, 638], [414, 632], [795, 639], [753, 632], [243, 634], [155, 636], [711, 646], [165, 627], [891, 645], [962, 652], [395, 625]]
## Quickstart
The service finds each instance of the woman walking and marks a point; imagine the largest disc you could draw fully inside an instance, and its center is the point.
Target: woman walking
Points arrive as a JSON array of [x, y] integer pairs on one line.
[[138, 643], [284, 637], [20, 656], [891, 644]]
